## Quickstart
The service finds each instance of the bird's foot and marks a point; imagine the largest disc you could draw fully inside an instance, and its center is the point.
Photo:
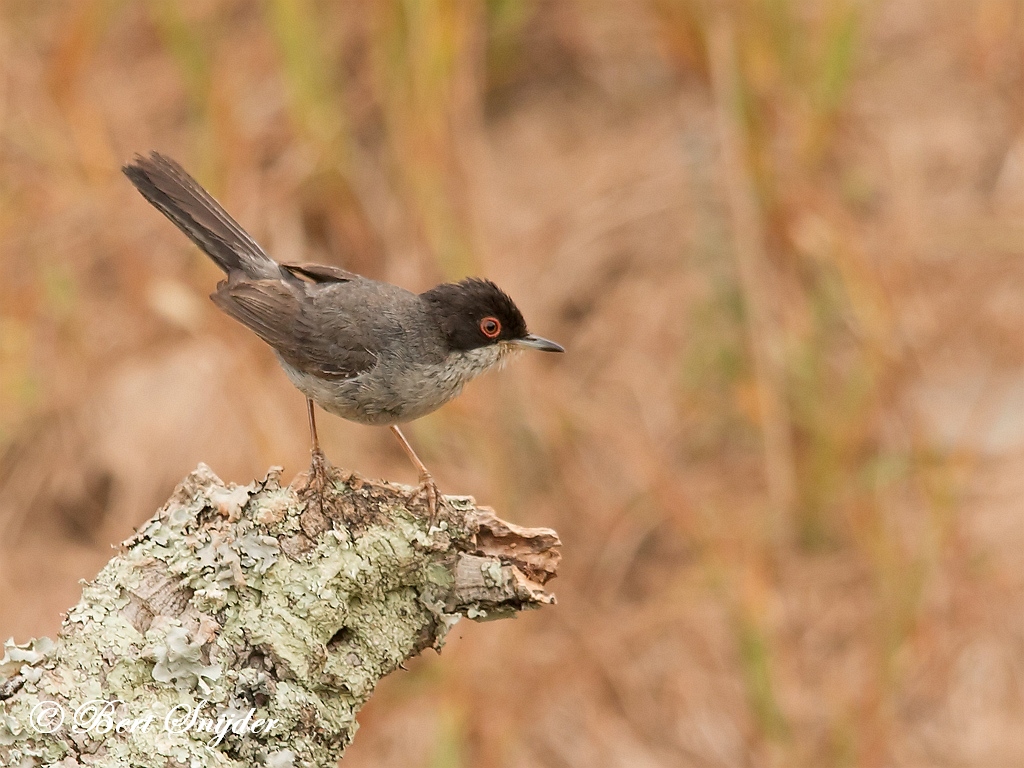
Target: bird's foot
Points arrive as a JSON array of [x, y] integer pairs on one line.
[[319, 476], [428, 488]]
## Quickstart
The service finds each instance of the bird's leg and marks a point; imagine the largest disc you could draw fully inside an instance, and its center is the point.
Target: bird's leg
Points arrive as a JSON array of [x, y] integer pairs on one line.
[[427, 484], [318, 462]]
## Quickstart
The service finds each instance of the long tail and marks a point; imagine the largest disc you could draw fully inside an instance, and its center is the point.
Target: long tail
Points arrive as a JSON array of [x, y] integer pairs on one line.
[[181, 199]]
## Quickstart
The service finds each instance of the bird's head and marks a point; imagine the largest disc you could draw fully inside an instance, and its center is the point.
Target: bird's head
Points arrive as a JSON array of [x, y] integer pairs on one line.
[[476, 314]]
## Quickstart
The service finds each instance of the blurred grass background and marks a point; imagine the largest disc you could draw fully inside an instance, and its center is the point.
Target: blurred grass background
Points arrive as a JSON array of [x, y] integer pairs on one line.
[[780, 239]]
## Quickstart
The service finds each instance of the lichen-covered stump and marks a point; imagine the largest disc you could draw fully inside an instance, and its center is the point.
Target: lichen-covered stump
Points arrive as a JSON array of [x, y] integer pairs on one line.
[[248, 625]]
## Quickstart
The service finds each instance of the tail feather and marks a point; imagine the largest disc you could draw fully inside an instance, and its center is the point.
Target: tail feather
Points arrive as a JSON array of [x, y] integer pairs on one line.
[[193, 210]]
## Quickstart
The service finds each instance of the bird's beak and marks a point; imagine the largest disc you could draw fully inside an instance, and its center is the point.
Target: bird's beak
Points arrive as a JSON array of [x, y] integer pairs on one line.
[[536, 342]]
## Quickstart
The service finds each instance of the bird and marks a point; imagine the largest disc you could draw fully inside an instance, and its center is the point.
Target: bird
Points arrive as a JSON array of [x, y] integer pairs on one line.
[[365, 350]]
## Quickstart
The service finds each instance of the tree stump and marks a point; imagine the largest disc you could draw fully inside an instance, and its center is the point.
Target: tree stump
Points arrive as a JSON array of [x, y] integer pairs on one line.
[[247, 625]]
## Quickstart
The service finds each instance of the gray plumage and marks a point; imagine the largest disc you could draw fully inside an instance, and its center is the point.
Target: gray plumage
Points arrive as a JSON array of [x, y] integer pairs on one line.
[[364, 350]]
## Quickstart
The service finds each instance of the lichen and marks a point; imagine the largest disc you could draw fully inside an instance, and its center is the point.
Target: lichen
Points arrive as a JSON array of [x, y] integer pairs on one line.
[[179, 660], [19, 658], [206, 611]]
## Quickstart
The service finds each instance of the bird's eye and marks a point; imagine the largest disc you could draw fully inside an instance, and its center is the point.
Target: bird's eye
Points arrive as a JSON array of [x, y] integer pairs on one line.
[[490, 327]]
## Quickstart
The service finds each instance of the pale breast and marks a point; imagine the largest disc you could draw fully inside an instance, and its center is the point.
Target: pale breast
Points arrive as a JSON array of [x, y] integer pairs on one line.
[[396, 390]]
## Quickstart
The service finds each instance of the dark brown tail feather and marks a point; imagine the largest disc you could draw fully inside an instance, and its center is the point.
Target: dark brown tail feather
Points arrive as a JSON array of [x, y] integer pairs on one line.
[[193, 210]]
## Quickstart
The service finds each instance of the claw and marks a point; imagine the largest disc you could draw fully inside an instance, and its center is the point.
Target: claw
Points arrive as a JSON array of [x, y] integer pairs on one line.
[[427, 484], [429, 488], [319, 476]]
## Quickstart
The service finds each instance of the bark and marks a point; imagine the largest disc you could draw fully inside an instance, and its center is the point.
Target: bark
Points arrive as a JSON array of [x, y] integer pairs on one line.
[[248, 625]]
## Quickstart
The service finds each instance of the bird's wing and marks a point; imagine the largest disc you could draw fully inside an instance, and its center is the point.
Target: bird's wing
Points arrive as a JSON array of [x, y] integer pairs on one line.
[[279, 313], [320, 273]]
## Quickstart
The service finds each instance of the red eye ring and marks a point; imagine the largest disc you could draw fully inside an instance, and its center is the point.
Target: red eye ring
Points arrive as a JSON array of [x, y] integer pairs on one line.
[[490, 327]]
